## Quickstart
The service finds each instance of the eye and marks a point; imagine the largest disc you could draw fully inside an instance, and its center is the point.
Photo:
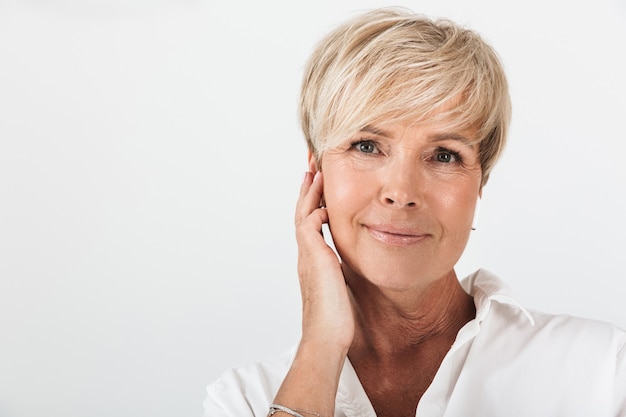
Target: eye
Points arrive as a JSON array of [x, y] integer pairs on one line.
[[446, 156], [365, 146]]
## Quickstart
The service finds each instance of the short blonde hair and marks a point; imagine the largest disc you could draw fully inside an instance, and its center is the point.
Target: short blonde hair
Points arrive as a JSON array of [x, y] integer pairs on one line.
[[391, 65]]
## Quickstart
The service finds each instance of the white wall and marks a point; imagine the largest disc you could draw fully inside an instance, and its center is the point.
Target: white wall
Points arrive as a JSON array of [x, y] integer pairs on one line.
[[150, 159]]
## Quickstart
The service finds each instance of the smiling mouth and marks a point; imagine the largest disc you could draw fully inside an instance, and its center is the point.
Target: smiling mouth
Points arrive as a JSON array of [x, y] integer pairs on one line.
[[396, 237]]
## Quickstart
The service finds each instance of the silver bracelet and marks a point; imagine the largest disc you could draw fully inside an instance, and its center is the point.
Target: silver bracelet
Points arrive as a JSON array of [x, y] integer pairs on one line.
[[275, 408]]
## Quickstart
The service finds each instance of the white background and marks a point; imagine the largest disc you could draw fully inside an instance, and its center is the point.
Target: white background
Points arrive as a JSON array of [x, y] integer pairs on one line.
[[150, 159]]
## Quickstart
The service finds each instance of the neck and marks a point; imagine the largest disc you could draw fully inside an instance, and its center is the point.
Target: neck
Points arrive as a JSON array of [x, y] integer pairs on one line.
[[393, 322]]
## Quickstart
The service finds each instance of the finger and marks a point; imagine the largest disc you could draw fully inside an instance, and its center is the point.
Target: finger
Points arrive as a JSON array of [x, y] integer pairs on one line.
[[310, 226], [304, 188], [310, 196], [306, 183]]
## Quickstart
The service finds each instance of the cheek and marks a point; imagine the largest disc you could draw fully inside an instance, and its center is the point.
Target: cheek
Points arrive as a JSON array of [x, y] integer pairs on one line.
[[455, 203], [346, 194], [456, 207], [340, 197], [342, 185]]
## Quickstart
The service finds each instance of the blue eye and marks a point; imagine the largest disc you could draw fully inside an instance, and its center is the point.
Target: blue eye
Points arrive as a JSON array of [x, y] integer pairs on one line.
[[365, 146]]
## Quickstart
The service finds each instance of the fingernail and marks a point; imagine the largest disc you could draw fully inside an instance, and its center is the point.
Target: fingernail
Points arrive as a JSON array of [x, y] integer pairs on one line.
[[317, 176], [306, 173]]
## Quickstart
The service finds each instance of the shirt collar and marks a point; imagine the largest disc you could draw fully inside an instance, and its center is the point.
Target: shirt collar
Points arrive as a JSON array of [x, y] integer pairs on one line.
[[485, 287]]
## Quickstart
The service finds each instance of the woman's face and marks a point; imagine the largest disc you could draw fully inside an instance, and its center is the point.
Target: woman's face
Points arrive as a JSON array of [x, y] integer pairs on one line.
[[400, 201]]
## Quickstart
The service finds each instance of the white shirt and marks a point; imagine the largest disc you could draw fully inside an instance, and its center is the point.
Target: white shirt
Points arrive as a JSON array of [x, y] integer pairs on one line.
[[507, 362]]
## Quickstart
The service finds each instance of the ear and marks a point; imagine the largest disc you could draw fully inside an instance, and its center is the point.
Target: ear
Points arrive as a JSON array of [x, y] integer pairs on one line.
[[312, 162]]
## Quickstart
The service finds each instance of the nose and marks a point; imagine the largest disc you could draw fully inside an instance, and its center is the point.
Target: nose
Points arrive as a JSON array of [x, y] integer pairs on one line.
[[402, 186]]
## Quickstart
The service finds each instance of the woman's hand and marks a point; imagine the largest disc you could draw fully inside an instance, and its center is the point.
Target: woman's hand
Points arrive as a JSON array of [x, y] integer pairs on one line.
[[327, 317]]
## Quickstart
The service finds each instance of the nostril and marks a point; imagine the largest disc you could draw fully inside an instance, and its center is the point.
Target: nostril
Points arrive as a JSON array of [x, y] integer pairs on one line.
[[392, 202]]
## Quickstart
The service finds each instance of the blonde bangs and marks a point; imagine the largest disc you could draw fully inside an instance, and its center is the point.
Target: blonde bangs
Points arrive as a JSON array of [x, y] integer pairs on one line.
[[389, 66]]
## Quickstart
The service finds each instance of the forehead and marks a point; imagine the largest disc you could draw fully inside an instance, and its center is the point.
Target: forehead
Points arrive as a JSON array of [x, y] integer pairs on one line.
[[453, 117]]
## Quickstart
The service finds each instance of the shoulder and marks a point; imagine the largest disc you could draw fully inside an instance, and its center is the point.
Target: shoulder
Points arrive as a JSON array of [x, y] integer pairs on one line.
[[502, 316], [548, 343], [499, 312], [560, 334], [247, 390], [576, 327], [564, 362]]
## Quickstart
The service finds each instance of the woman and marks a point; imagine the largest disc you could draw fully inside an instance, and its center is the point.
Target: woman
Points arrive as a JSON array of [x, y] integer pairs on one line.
[[404, 119]]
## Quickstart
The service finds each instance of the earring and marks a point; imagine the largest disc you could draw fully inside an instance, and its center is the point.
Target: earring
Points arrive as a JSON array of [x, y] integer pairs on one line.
[[476, 214]]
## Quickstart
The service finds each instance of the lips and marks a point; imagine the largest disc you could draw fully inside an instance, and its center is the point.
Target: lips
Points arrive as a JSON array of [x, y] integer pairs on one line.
[[395, 236]]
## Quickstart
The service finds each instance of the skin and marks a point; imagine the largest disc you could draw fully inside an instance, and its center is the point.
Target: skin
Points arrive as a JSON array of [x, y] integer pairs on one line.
[[399, 200]]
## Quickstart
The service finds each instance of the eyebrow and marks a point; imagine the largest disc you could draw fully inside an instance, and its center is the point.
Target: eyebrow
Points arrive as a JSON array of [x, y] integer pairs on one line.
[[376, 131]]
